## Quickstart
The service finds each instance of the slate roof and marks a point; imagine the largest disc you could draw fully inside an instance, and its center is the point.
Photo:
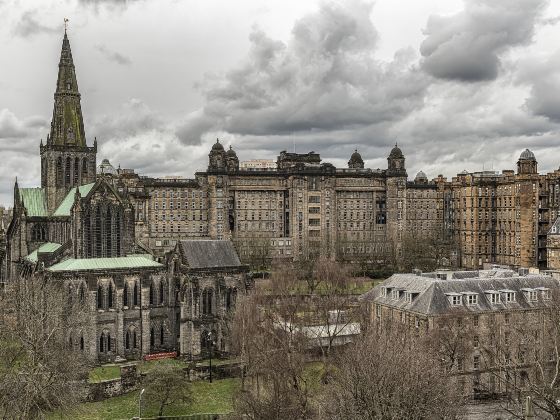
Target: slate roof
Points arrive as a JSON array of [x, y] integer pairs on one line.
[[34, 201], [66, 205], [47, 248], [430, 295], [209, 254], [85, 264]]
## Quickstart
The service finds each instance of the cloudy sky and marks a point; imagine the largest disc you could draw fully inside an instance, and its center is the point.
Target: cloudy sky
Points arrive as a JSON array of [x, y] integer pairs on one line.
[[458, 84]]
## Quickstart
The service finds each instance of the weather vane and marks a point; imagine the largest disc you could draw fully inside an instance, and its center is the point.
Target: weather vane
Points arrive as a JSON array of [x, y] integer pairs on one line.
[[65, 24]]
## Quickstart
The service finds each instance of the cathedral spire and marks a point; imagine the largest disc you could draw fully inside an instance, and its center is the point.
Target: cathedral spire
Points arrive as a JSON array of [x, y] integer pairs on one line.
[[67, 126]]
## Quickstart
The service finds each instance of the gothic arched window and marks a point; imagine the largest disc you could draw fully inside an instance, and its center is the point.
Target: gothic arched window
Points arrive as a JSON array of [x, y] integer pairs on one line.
[[117, 232], [82, 346], [98, 232], [84, 169], [125, 294], [135, 295], [68, 172], [102, 343], [152, 300], [161, 292], [110, 296], [59, 172], [152, 338], [77, 171], [161, 335], [108, 232], [99, 297], [127, 340], [207, 301]]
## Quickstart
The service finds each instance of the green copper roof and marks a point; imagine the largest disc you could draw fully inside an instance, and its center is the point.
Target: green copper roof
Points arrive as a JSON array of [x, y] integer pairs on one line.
[[105, 264], [45, 248], [66, 205], [34, 201]]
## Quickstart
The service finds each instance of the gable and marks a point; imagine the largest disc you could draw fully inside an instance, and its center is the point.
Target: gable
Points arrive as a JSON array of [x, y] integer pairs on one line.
[[34, 201], [88, 192], [66, 205]]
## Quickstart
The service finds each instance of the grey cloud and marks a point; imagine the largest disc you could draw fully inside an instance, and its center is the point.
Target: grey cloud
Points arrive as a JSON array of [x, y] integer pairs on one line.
[[113, 55], [467, 46], [324, 78], [134, 118], [29, 25], [543, 76]]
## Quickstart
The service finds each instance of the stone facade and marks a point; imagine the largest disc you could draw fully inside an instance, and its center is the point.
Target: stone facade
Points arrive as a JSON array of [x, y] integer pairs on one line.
[[488, 320]]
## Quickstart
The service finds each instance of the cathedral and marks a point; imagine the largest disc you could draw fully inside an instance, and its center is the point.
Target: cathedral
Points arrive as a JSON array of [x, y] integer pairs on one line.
[[78, 230]]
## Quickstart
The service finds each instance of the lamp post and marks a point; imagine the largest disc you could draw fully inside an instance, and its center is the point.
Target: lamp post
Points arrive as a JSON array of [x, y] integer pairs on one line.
[[140, 404]]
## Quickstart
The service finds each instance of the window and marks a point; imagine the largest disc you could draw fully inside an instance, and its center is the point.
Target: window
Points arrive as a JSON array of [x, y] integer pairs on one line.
[[455, 299], [395, 294], [495, 298], [378, 311], [472, 299], [475, 341], [476, 362], [475, 320], [506, 318]]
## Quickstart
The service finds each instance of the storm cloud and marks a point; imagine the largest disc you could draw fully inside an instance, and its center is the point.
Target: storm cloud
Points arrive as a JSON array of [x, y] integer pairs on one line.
[[325, 78], [467, 46]]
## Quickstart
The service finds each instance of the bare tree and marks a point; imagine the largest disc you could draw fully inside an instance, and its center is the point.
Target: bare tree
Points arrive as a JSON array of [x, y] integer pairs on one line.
[[388, 374], [255, 252], [166, 385], [273, 352], [524, 357], [41, 368]]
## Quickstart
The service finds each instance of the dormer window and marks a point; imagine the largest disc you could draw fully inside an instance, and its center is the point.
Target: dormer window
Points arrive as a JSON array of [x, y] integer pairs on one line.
[[545, 292], [508, 295], [531, 295], [395, 294], [472, 298], [384, 291], [409, 296], [455, 299], [494, 296]]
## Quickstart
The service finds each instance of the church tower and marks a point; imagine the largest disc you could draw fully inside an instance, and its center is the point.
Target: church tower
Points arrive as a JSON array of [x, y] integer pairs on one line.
[[66, 160]]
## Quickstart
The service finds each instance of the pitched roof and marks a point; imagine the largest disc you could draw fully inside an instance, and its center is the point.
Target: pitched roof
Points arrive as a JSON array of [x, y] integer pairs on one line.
[[34, 201], [209, 254], [66, 205], [46, 248], [130, 261], [432, 294]]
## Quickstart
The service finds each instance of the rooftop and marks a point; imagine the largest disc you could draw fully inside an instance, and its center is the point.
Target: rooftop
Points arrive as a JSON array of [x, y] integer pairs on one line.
[[430, 294], [93, 264], [46, 248], [34, 201], [66, 205], [209, 254]]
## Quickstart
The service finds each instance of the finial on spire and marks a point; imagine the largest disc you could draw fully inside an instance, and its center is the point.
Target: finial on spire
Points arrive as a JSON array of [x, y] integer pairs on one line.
[[65, 25], [217, 140]]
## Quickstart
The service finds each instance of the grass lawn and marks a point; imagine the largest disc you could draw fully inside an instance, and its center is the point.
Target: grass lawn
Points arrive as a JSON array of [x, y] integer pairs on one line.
[[103, 373], [215, 397]]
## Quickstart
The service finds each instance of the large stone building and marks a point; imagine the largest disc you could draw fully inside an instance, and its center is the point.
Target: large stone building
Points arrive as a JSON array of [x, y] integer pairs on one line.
[[298, 206], [78, 231], [490, 328]]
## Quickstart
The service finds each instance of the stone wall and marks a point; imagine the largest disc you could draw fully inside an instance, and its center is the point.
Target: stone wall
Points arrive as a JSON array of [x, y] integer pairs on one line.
[[128, 381]]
